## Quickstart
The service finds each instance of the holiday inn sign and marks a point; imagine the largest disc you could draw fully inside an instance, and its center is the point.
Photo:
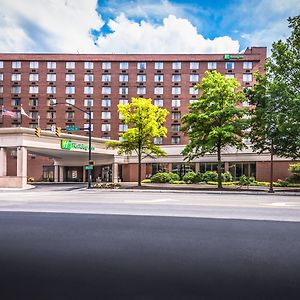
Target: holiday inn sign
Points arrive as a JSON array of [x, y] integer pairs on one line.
[[69, 145]]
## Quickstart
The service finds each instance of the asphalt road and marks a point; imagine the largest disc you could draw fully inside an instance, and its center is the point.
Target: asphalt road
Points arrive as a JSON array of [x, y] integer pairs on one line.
[[84, 256]]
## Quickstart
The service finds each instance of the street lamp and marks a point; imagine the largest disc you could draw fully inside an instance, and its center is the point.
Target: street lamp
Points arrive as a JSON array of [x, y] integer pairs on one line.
[[90, 137]]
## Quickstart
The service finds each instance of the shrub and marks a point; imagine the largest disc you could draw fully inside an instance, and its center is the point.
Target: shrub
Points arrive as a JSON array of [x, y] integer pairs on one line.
[[226, 177], [294, 168], [177, 182], [245, 180], [210, 176], [106, 185], [164, 177], [146, 181], [191, 177], [174, 176], [281, 183]]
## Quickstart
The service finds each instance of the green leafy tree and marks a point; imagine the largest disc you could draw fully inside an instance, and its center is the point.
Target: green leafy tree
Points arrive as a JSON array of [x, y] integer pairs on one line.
[[145, 122], [215, 121]]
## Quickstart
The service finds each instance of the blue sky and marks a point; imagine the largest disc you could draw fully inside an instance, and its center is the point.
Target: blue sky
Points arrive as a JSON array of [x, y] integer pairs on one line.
[[142, 26]]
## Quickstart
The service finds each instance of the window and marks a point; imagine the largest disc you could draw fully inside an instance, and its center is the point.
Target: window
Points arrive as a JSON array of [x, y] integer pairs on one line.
[[193, 91], [106, 103], [176, 65], [70, 77], [33, 89], [176, 78], [194, 65], [70, 65], [210, 167], [88, 90], [158, 140], [227, 76], [15, 89], [33, 114], [33, 65], [1, 64], [158, 90], [176, 90], [106, 65], [158, 102], [16, 102], [16, 77], [193, 101], [51, 115], [70, 89], [88, 102], [105, 127], [212, 65], [229, 65], [247, 77], [194, 78], [105, 115], [175, 128], [51, 101], [51, 65], [33, 77], [175, 140], [123, 78], [86, 127], [106, 90], [123, 127], [121, 117], [51, 77], [247, 65], [88, 65], [88, 77], [159, 65], [51, 89], [70, 101], [176, 103], [70, 115], [141, 90], [33, 102], [16, 64], [123, 65], [1, 76], [123, 90], [176, 115], [106, 77], [141, 66], [1, 89], [87, 115], [141, 78], [237, 169], [158, 78]]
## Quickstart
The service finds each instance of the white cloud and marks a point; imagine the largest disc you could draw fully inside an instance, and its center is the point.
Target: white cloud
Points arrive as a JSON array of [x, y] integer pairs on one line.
[[48, 25], [175, 35]]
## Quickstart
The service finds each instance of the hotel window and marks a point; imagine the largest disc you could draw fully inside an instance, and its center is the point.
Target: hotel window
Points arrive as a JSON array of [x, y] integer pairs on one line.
[[175, 128], [176, 115], [176, 103], [16, 64], [16, 102], [123, 78], [70, 65], [70, 77], [141, 66], [106, 65], [33, 65], [247, 65], [123, 101], [51, 89], [70, 101], [86, 127], [16, 89], [175, 140], [158, 78], [141, 90], [227, 76], [1, 89], [88, 77], [194, 78], [33, 89], [33, 114], [88, 102], [87, 115], [193, 91], [141, 78], [105, 127], [212, 65], [70, 89], [158, 140], [1, 64], [123, 65], [106, 77], [33, 102], [123, 90], [194, 65], [247, 77], [123, 127], [16, 77], [106, 90], [176, 90], [51, 101], [105, 115], [70, 115], [51, 77], [229, 65], [88, 90], [33, 77], [106, 103], [158, 90], [176, 78], [88, 65], [159, 65], [121, 117], [1, 76], [51, 65], [158, 102], [51, 115], [176, 65]]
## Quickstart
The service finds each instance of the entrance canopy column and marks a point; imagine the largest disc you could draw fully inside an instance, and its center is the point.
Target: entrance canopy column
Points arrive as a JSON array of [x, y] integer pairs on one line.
[[22, 165], [115, 172], [3, 162]]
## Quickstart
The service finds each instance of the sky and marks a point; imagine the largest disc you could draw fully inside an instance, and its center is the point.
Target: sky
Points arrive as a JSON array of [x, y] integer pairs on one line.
[[142, 26]]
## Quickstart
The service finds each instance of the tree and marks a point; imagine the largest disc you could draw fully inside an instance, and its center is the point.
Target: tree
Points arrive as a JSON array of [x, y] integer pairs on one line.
[[215, 121], [145, 122]]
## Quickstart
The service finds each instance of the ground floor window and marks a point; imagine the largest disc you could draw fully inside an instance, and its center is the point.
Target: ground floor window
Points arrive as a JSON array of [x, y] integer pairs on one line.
[[182, 168], [237, 169], [156, 168], [210, 167], [48, 173], [73, 174]]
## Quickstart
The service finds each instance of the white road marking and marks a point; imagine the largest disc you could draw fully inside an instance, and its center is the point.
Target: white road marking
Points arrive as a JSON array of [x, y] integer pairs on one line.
[[280, 204], [151, 201]]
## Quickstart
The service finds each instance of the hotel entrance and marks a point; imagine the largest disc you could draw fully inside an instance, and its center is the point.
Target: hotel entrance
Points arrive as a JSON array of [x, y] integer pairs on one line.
[[73, 174]]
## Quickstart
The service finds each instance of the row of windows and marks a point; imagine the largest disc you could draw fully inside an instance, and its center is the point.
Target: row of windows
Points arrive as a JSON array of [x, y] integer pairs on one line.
[[125, 65]]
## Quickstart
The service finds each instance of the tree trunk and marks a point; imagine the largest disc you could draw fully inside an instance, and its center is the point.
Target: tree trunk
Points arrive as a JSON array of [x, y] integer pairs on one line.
[[271, 190], [219, 169], [140, 169]]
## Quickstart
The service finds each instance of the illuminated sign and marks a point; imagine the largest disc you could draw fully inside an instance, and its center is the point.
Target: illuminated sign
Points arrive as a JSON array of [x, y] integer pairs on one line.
[[69, 145], [229, 56]]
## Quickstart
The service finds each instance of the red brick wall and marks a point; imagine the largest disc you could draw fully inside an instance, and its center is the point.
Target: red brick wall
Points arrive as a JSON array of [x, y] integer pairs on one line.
[[280, 170]]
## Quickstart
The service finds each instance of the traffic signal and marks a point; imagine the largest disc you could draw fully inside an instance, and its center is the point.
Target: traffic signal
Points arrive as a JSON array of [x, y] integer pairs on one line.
[[58, 131], [91, 162], [37, 131]]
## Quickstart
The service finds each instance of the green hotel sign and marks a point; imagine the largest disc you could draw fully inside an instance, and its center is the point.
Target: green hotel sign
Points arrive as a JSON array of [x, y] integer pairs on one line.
[[69, 145], [229, 56]]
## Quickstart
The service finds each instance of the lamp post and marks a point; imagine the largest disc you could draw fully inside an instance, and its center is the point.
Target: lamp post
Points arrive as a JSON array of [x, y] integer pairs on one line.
[[90, 137]]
